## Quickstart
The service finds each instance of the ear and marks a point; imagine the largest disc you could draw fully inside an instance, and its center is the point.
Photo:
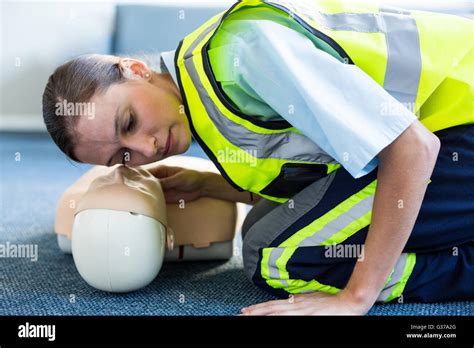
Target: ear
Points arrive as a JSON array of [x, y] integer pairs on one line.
[[134, 69]]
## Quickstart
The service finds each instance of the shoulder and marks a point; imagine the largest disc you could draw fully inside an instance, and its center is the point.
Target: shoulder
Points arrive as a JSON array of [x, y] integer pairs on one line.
[[252, 29]]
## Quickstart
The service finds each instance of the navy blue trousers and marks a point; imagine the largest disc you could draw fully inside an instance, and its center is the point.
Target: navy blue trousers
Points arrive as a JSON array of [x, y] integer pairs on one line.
[[442, 238]]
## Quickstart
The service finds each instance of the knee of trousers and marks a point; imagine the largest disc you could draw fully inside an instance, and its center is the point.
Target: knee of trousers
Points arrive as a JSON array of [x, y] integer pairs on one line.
[[259, 230], [250, 249], [251, 225], [256, 237], [260, 253], [258, 211], [302, 272], [252, 257], [262, 235]]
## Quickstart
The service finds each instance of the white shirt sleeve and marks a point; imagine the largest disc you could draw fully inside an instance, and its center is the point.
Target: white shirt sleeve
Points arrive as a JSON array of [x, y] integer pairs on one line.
[[337, 105]]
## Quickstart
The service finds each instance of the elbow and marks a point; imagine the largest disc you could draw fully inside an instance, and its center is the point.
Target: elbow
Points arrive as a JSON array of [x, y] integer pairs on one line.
[[436, 144], [415, 151], [426, 143], [429, 147], [417, 146]]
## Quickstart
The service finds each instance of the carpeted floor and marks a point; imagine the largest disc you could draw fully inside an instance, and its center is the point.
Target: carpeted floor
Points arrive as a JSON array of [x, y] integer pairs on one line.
[[33, 175]]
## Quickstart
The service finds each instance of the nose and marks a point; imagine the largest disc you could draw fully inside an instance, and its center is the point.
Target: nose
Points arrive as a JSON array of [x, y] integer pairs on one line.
[[143, 144]]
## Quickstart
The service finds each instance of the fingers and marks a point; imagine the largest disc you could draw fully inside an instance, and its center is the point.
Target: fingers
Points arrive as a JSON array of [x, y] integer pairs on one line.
[[260, 308], [295, 305], [169, 176], [163, 171], [297, 310], [171, 181], [279, 307]]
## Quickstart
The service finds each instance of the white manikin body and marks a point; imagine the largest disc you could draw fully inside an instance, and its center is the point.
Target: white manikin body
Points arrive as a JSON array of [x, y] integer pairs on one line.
[[117, 225]]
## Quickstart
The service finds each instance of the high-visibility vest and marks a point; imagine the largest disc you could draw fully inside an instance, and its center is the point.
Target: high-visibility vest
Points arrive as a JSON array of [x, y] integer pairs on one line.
[[424, 60]]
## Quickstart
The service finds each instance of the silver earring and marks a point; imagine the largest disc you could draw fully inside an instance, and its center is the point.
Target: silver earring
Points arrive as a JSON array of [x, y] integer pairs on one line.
[[147, 75]]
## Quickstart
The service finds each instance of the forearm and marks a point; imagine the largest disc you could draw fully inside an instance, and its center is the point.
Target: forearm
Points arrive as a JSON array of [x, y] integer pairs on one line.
[[217, 187], [403, 176]]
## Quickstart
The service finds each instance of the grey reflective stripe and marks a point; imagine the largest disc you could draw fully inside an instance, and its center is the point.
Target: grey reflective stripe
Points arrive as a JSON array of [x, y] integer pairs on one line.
[[395, 278], [403, 71], [328, 230], [285, 145], [359, 22], [189, 52], [339, 223], [272, 259]]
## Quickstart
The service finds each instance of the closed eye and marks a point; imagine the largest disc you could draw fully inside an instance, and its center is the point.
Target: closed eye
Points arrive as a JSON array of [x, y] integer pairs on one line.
[[131, 123]]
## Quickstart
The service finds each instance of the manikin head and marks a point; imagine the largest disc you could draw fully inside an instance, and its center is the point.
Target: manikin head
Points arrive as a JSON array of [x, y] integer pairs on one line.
[[120, 230], [103, 109]]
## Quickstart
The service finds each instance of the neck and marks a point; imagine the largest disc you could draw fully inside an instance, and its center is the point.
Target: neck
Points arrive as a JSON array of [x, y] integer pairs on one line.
[[164, 80]]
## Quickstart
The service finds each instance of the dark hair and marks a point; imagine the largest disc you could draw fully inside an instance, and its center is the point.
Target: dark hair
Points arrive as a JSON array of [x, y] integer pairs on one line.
[[76, 81]]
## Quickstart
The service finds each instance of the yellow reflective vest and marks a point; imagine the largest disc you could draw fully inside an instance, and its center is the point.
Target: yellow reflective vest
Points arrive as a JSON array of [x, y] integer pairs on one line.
[[424, 60]]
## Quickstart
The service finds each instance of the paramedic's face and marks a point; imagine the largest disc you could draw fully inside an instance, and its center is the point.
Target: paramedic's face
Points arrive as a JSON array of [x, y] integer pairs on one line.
[[136, 122]]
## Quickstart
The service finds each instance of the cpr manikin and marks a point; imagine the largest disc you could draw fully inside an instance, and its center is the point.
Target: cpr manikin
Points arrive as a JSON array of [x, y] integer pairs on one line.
[[122, 229]]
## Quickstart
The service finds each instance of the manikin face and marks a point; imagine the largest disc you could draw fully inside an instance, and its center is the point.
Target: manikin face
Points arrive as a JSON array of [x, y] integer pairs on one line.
[[129, 190], [126, 189], [136, 122]]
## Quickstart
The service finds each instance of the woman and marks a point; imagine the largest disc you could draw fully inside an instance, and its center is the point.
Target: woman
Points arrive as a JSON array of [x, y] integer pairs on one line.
[[309, 106]]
